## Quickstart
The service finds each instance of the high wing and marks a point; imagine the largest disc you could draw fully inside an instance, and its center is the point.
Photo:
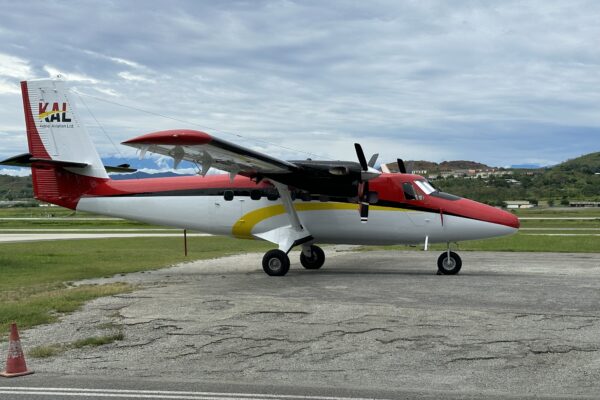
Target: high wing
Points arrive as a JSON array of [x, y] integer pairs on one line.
[[210, 152], [312, 178]]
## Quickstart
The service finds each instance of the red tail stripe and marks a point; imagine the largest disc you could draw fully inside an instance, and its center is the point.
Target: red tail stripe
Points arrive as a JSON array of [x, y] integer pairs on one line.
[[36, 147]]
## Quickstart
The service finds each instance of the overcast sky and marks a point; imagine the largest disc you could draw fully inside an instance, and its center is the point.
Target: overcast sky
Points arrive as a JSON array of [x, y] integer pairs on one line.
[[499, 82]]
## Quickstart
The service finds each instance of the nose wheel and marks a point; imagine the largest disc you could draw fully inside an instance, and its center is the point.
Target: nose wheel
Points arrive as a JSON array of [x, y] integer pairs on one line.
[[449, 263], [314, 259]]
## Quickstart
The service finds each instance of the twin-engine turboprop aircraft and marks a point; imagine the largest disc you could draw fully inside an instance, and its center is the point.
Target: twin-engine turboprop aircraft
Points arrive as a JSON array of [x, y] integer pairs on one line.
[[288, 203]]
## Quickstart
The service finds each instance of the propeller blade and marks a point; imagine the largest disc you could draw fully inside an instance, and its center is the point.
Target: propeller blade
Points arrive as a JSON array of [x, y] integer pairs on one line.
[[401, 166], [373, 160], [361, 157], [363, 209], [363, 190], [363, 201]]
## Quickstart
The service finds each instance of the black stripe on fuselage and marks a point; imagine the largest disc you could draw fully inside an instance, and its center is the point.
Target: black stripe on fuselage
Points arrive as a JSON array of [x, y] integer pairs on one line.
[[273, 195]]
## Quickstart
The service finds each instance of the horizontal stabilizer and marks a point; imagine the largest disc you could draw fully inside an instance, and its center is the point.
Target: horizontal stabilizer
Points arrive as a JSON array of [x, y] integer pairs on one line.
[[26, 159], [121, 168]]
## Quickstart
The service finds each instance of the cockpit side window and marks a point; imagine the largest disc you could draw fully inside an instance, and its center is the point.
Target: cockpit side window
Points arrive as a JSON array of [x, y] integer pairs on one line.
[[409, 191]]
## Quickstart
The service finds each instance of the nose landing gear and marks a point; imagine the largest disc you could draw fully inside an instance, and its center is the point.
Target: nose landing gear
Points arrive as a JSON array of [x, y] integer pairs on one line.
[[449, 263]]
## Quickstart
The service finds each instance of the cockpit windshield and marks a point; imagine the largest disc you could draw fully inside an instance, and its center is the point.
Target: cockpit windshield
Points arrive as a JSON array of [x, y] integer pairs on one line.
[[425, 186]]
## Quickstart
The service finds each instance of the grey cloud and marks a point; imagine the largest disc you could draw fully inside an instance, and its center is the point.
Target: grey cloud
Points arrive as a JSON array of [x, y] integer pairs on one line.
[[500, 81]]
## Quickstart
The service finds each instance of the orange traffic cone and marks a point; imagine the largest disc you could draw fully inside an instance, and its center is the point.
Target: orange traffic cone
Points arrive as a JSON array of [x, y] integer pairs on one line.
[[15, 362]]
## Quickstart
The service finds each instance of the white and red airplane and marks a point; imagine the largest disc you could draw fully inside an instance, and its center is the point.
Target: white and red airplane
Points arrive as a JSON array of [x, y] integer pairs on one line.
[[288, 203]]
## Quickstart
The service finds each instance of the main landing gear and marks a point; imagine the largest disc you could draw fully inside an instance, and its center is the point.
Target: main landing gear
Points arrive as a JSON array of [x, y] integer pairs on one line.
[[277, 263]]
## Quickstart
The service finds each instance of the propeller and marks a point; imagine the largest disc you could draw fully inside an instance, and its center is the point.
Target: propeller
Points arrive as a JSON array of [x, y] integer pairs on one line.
[[401, 166], [367, 173]]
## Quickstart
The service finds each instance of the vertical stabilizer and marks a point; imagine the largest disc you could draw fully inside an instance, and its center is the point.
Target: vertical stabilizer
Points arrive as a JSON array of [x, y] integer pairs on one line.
[[55, 130], [64, 162]]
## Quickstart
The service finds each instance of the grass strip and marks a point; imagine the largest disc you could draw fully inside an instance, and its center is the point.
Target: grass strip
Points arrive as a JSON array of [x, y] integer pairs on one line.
[[59, 348], [525, 242], [34, 284]]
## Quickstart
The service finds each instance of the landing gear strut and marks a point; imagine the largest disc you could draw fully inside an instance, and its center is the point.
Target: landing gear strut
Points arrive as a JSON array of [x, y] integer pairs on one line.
[[449, 263], [315, 258]]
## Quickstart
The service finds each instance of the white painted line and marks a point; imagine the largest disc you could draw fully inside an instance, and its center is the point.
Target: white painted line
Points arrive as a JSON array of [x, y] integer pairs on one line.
[[558, 218], [161, 394], [34, 237], [559, 229], [89, 230], [60, 219], [123, 396], [561, 234]]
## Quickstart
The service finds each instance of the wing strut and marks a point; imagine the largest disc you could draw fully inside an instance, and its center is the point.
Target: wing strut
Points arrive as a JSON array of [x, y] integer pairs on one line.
[[290, 235]]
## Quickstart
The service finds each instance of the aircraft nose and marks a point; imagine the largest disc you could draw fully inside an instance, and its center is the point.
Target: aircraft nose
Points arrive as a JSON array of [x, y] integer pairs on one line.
[[486, 213], [509, 219]]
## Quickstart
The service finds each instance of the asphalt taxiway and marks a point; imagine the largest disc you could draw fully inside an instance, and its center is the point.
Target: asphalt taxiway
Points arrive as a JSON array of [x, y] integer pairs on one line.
[[369, 324]]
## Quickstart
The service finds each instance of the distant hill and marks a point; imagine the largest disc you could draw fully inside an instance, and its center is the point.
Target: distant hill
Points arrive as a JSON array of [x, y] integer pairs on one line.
[[432, 167], [575, 179], [525, 166], [144, 175], [587, 164], [451, 165]]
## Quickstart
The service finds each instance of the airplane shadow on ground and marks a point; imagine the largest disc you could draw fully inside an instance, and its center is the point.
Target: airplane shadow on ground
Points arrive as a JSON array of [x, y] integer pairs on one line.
[[333, 270]]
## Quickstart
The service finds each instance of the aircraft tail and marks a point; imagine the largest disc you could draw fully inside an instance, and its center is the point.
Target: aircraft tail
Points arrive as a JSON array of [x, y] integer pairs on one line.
[[64, 162]]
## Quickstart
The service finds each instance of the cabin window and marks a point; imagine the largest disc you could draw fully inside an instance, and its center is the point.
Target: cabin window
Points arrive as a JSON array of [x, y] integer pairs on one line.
[[228, 195], [255, 194], [409, 191], [305, 196]]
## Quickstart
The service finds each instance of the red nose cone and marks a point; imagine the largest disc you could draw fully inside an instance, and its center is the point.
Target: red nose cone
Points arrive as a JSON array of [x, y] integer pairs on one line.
[[509, 219], [483, 212]]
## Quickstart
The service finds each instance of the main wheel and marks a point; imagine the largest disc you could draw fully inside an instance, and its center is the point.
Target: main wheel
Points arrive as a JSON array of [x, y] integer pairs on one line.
[[316, 259], [276, 263], [449, 266]]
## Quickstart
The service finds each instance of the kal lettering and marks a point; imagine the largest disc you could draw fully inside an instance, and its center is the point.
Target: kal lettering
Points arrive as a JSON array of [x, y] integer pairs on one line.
[[64, 113], [55, 115]]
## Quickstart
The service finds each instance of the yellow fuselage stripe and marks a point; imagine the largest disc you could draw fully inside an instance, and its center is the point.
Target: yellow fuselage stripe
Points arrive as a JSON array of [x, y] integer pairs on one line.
[[243, 227]]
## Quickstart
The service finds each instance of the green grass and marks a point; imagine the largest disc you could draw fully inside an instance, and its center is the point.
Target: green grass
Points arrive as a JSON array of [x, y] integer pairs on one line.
[[43, 212], [42, 304], [46, 351], [34, 276], [563, 223], [528, 242], [51, 350], [562, 212], [95, 341]]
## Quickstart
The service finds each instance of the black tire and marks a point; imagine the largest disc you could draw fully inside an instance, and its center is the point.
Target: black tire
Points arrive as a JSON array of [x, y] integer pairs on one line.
[[449, 267], [276, 263], [315, 261]]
